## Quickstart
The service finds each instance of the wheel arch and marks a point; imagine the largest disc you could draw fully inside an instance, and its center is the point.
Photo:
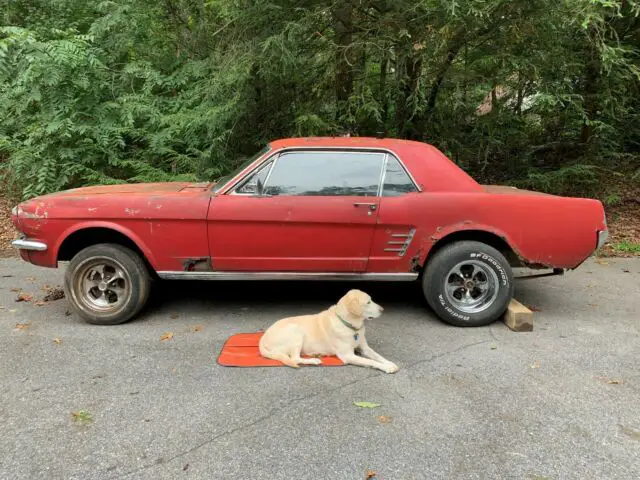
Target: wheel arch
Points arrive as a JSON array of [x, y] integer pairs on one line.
[[80, 237], [487, 236]]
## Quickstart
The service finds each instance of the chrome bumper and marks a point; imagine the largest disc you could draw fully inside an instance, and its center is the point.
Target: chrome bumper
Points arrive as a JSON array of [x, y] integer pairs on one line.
[[26, 244], [603, 235]]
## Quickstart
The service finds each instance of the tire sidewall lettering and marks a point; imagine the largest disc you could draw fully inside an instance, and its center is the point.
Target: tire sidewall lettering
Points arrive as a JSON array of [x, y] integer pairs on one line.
[[504, 279], [450, 310]]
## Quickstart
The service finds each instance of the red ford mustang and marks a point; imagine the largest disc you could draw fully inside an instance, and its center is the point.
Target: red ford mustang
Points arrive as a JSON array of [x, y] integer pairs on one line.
[[309, 209]]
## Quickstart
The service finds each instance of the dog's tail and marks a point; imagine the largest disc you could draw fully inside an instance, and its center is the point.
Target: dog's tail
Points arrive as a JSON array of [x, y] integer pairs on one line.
[[281, 357]]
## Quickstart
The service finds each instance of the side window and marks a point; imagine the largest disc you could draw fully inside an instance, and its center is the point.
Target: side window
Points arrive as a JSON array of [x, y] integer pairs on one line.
[[396, 180], [255, 182], [326, 174]]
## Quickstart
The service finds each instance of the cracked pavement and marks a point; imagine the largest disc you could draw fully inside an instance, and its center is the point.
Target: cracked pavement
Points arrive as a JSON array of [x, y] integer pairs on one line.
[[558, 403]]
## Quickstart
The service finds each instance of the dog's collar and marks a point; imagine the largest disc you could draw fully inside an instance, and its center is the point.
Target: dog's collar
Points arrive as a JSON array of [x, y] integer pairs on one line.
[[347, 324]]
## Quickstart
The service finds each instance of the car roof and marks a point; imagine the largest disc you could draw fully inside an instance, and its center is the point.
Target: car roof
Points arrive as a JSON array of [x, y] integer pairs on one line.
[[353, 142], [430, 168]]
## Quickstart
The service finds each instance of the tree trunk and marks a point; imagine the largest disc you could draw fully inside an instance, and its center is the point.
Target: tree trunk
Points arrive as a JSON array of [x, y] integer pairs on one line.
[[342, 14], [384, 66], [591, 83], [408, 81], [456, 44]]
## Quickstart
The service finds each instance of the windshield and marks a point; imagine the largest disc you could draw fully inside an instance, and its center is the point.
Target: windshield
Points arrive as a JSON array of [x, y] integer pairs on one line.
[[222, 181]]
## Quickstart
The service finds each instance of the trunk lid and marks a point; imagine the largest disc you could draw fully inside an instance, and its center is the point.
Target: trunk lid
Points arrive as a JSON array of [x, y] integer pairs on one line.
[[508, 190]]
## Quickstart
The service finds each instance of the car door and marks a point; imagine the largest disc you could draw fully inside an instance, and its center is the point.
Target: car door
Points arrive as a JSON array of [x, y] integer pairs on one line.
[[301, 211]]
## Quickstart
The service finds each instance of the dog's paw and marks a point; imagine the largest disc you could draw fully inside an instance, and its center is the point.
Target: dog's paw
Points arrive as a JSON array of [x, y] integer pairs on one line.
[[390, 368]]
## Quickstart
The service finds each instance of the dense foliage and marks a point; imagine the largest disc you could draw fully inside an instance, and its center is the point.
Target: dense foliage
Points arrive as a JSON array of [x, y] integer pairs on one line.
[[541, 92]]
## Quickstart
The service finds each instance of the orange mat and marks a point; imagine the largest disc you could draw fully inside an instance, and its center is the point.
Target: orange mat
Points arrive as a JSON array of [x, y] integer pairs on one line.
[[241, 350]]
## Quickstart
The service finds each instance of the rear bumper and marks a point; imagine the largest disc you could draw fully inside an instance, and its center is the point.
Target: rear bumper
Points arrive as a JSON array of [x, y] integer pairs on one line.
[[26, 244], [603, 235]]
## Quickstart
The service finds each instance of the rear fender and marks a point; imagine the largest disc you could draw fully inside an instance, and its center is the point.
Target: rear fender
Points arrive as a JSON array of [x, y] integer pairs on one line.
[[468, 226]]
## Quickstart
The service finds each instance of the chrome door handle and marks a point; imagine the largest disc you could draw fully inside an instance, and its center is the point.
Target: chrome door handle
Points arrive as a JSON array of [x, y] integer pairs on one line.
[[372, 206]]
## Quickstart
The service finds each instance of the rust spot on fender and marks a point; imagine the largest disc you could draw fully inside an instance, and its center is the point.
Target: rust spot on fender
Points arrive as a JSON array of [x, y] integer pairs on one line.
[[34, 216], [414, 262], [202, 264]]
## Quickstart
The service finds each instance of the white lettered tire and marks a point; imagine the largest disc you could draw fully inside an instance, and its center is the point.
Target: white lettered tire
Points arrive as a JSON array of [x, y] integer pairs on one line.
[[468, 284]]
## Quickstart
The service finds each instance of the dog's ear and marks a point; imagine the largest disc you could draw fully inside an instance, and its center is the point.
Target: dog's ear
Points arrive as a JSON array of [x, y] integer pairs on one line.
[[354, 303]]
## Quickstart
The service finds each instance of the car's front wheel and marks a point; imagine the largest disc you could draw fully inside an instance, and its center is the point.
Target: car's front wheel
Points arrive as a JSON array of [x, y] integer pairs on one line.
[[468, 284], [107, 284]]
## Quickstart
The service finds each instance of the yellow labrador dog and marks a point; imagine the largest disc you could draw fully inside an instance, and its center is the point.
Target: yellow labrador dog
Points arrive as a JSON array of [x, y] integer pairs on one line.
[[339, 331]]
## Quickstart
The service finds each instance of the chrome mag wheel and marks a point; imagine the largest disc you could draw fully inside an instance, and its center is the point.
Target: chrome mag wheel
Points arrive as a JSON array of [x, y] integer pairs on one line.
[[102, 285], [471, 286]]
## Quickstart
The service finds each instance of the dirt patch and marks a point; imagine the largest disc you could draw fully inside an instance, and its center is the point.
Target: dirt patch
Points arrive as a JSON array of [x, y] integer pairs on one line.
[[624, 230], [7, 230], [52, 294]]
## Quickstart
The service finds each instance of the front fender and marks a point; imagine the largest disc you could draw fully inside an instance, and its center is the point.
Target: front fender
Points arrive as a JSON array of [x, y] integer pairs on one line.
[[111, 226]]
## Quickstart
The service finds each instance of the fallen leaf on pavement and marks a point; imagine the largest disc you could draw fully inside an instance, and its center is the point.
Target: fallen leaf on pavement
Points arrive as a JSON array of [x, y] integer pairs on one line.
[[626, 271], [174, 315], [57, 341], [630, 432], [592, 304], [535, 364], [197, 328], [13, 310], [186, 466], [166, 336], [371, 474], [40, 303], [15, 290], [82, 416], [24, 297], [494, 347], [600, 261], [384, 419], [31, 279], [22, 326], [610, 381], [366, 404]]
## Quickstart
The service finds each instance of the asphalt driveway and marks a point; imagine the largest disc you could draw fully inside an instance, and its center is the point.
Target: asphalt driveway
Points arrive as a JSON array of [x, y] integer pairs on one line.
[[561, 402]]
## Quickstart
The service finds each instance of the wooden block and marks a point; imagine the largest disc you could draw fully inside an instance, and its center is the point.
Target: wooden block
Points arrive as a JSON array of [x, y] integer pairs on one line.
[[518, 317]]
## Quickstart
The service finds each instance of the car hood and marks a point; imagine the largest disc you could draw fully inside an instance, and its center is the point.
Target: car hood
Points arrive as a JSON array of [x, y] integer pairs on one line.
[[134, 188]]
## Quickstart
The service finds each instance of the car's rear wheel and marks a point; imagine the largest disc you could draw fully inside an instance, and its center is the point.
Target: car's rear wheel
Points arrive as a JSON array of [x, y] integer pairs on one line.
[[107, 284], [468, 284]]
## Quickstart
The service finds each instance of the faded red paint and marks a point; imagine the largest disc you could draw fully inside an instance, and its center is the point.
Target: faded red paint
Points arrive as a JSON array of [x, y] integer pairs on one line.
[[174, 222]]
